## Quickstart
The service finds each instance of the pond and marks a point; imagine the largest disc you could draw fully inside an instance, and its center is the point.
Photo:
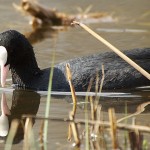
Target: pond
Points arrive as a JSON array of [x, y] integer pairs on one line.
[[126, 27]]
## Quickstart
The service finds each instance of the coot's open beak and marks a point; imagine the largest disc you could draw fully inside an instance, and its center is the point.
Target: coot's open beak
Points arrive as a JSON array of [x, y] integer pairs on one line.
[[4, 69]]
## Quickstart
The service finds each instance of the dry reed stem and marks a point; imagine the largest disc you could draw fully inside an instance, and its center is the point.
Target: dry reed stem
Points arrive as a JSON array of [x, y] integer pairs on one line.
[[69, 77], [74, 130], [112, 119], [92, 145], [100, 89], [117, 51], [27, 134], [97, 82], [105, 124], [11, 135], [140, 109], [87, 143], [92, 108], [96, 130], [95, 109], [98, 113], [102, 80], [41, 135], [136, 140], [69, 132]]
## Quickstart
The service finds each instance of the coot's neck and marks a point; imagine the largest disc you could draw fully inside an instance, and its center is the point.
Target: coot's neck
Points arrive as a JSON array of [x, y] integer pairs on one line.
[[24, 74]]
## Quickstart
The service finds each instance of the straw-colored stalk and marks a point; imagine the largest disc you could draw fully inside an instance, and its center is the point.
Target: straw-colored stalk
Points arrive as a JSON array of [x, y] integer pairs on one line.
[[113, 127], [105, 124], [69, 77], [86, 117], [12, 133], [140, 109], [69, 132], [74, 130], [100, 89], [29, 142], [116, 50]]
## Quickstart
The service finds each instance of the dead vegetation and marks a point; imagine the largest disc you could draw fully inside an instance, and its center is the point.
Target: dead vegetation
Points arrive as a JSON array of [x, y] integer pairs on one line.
[[44, 16]]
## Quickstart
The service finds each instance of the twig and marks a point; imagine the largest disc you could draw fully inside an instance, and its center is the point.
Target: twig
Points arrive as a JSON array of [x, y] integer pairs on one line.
[[74, 130], [117, 51], [140, 109], [105, 124], [69, 77]]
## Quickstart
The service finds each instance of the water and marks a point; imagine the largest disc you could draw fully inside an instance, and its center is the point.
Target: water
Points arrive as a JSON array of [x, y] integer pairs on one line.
[[129, 29]]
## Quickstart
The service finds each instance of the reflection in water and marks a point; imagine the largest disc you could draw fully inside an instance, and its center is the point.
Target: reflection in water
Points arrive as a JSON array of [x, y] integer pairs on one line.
[[23, 102], [39, 34], [130, 103], [4, 124]]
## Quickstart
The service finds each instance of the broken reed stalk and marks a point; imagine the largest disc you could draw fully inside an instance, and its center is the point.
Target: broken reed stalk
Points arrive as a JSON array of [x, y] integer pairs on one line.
[[26, 134], [29, 142], [135, 140], [100, 89], [95, 113], [102, 80], [117, 51], [86, 117], [105, 124], [69, 77], [140, 109], [74, 130], [11, 135], [98, 117], [69, 132], [92, 108], [113, 127]]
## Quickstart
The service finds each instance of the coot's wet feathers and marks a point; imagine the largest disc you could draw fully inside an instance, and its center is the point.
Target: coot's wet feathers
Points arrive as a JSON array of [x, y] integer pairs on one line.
[[118, 74]]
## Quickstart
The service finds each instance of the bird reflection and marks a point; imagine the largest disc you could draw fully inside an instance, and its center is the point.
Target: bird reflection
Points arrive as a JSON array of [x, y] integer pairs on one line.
[[23, 102], [4, 123]]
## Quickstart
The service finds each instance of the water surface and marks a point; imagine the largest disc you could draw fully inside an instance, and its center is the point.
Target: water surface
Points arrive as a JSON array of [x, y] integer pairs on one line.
[[130, 29]]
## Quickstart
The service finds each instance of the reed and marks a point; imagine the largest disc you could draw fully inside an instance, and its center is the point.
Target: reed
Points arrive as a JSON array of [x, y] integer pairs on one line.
[[113, 128], [113, 48], [29, 139], [69, 77], [47, 110], [105, 124], [87, 142], [72, 129], [11, 135]]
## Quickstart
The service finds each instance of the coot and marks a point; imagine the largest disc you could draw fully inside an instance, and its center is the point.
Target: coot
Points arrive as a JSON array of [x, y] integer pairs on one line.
[[16, 54]]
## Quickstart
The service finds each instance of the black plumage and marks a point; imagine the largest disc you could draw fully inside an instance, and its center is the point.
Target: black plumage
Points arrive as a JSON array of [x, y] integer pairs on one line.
[[118, 74]]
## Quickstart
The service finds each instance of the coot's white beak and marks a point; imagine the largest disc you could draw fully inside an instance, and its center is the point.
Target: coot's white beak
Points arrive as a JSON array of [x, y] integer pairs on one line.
[[4, 69]]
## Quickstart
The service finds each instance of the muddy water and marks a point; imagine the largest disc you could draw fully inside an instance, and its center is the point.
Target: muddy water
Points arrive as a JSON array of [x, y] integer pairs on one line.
[[129, 27]]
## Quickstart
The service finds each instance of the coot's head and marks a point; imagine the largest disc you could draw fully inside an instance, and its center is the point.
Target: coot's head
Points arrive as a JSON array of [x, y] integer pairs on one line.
[[15, 50]]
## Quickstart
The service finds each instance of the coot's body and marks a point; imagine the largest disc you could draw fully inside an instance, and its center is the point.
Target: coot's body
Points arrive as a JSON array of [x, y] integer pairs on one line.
[[118, 74]]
